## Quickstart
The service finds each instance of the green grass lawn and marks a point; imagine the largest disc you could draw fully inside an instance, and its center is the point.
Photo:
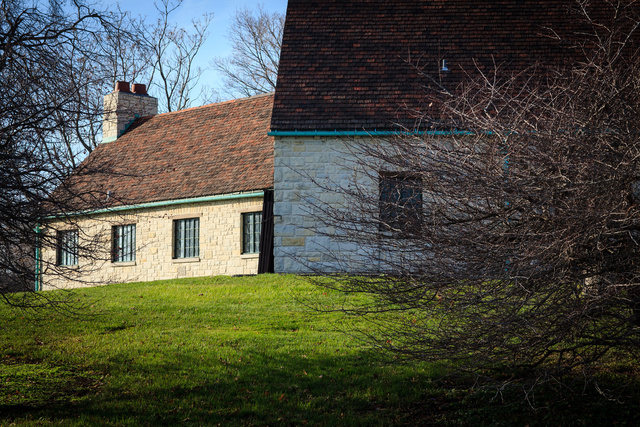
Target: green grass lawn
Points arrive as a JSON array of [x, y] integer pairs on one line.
[[242, 351]]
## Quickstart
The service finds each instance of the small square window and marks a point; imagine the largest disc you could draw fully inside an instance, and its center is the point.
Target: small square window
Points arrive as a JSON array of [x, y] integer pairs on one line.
[[123, 248], [67, 247], [186, 238], [251, 229], [400, 202]]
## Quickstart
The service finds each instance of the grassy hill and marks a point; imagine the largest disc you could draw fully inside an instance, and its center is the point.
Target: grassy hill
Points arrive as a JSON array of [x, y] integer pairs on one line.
[[240, 351]]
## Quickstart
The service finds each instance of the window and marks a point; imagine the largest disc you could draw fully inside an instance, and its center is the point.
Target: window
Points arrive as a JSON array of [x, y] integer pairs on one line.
[[123, 240], [400, 202], [186, 238], [251, 228], [68, 247]]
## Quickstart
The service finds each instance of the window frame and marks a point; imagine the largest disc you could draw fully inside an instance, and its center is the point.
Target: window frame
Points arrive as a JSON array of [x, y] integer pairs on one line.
[[186, 238], [67, 255], [251, 236], [123, 243]]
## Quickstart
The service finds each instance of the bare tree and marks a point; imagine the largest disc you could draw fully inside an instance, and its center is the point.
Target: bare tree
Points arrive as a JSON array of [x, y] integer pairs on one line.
[[161, 55], [508, 234], [43, 53], [116, 51], [256, 40], [173, 52]]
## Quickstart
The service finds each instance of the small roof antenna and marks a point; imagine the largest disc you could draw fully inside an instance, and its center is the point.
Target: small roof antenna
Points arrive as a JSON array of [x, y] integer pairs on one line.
[[444, 65]]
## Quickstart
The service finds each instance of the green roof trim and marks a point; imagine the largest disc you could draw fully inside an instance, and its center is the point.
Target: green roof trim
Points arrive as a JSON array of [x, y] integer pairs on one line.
[[366, 133], [163, 203]]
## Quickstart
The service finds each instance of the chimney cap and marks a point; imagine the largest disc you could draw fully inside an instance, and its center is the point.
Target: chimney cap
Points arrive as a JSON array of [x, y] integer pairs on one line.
[[122, 87], [139, 89]]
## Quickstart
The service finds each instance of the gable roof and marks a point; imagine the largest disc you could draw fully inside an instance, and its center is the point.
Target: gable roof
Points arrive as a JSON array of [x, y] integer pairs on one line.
[[211, 150], [362, 64]]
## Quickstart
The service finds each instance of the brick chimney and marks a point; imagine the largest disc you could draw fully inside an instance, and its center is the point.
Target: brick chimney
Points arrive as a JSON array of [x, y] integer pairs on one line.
[[123, 106]]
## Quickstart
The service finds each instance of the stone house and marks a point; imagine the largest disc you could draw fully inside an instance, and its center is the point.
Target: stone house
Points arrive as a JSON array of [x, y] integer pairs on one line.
[[180, 194], [349, 69]]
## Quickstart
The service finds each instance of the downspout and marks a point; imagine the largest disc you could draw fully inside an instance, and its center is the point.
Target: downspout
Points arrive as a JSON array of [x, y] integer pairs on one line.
[[38, 281], [265, 261], [505, 170]]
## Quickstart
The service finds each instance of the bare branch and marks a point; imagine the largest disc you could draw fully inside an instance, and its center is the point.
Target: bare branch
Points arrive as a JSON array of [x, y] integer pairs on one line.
[[256, 40], [513, 240]]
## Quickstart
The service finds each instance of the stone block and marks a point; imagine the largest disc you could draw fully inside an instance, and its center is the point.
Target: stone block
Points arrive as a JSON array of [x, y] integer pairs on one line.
[[293, 241]]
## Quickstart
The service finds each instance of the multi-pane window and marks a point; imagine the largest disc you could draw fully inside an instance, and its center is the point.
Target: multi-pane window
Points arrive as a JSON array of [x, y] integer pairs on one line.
[[251, 228], [68, 247], [186, 238], [123, 243], [400, 202]]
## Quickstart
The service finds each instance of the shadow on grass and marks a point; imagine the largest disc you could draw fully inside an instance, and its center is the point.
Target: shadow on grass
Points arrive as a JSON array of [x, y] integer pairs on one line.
[[28, 386], [253, 388]]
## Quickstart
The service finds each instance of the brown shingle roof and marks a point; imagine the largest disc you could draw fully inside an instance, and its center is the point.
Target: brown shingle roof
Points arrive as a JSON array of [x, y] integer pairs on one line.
[[345, 63], [216, 149]]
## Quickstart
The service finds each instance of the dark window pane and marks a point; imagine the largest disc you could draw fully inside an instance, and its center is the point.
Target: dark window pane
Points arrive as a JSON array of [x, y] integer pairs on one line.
[[251, 229], [68, 247], [186, 242], [124, 243], [400, 202]]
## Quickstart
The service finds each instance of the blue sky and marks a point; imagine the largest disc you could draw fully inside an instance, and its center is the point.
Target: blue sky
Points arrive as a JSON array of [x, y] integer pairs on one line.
[[223, 11]]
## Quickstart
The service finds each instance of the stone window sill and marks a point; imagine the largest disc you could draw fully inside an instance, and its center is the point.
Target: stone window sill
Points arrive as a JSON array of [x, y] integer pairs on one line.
[[249, 256], [124, 264], [185, 260]]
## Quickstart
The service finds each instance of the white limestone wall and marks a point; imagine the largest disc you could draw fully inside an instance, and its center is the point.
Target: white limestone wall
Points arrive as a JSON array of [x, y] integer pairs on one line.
[[220, 245], [305, 171]]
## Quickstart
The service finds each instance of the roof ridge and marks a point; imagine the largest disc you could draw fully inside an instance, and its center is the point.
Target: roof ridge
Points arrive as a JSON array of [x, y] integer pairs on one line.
[[216, 104]]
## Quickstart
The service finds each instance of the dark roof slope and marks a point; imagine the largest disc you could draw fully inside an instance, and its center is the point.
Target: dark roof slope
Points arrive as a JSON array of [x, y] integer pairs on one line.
[[347, 64], [216, 149]]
